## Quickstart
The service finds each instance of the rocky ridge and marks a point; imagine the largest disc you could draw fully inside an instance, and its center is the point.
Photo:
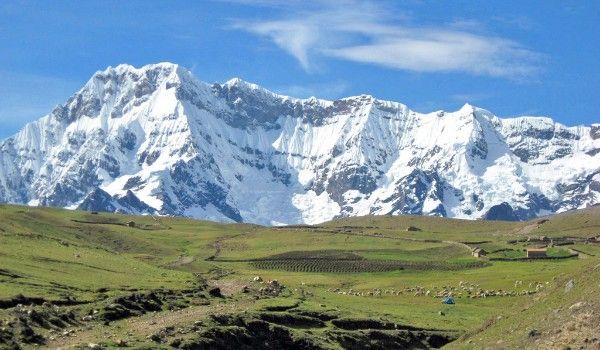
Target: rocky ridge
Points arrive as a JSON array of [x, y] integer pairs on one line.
[[157, 140]]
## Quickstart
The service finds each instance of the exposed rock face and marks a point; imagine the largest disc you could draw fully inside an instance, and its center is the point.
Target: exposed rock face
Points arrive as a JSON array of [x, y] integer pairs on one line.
[[99, 200], [501, 211], [157, 140]]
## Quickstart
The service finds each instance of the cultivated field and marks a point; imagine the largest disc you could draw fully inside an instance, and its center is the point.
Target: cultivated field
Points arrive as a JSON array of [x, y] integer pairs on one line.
[[98, 280]]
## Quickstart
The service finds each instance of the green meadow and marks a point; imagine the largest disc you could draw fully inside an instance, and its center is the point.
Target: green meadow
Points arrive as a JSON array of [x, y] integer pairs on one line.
[[338, 283]]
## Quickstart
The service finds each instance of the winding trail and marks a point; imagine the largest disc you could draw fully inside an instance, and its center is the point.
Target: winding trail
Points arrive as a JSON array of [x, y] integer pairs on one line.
[[218, 243], [182, 260]]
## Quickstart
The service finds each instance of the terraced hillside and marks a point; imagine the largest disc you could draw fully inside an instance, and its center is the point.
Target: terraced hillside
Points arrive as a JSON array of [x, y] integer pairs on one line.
[[94, 280]]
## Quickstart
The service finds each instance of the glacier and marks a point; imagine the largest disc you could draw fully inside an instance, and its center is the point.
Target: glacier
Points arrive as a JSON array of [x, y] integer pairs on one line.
[[156, 140]]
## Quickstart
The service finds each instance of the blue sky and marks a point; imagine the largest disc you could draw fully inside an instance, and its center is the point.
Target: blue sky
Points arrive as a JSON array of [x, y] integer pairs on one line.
[[510, 57]]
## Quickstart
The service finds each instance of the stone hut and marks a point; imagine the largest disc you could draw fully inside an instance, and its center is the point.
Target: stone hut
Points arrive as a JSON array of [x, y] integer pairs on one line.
[[534, 253], [479, 252]]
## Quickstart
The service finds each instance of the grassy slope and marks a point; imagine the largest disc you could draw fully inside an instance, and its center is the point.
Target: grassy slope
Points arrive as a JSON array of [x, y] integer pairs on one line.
[[58, 254], [556, 318]]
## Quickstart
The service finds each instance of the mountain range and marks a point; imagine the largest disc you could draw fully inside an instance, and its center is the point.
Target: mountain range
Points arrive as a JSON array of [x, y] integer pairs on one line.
[[157, 140]]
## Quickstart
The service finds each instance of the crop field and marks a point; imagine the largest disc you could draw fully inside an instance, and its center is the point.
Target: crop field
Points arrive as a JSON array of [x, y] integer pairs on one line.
[[326, 265], [367, 261], [69, 279]]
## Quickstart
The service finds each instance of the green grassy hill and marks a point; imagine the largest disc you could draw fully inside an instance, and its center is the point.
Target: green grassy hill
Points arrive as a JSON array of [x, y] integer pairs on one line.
[[368, 282]]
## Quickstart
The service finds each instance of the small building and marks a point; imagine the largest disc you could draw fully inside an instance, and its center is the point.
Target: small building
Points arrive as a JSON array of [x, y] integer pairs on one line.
[[534, 253], [479, 252], [131, 224]]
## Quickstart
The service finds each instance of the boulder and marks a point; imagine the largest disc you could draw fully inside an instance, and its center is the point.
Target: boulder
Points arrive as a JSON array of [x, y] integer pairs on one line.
[[215, 292]]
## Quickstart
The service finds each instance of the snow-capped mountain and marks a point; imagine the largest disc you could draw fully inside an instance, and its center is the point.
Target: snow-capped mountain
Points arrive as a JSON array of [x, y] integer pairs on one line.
[[156, 139]]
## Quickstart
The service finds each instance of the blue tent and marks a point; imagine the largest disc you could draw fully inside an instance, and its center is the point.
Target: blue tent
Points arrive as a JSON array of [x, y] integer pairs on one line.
[[448, 300]]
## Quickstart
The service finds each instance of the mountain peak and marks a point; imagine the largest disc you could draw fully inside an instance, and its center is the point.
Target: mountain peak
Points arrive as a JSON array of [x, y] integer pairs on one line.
[[467, 107], [240, 83], [248, 88], [126, 75], [125, 68]]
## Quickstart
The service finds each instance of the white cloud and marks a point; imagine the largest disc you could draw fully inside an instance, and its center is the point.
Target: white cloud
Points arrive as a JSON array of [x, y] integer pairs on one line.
[[293, 36], [366, 32]]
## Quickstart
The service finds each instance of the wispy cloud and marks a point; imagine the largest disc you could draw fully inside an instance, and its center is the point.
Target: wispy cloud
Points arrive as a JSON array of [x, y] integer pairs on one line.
[[366, 32], [295, 37]]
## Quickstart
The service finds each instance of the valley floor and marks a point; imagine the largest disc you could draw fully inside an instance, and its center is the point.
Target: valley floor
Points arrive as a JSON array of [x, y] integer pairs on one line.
[[72, 279]]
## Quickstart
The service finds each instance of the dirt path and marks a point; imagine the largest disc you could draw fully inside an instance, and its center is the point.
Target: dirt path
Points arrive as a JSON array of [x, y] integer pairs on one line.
[[182, 260], [580, 254], [218, 243], [144, 325], [151, 323], [228, 287], [527, 229]]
